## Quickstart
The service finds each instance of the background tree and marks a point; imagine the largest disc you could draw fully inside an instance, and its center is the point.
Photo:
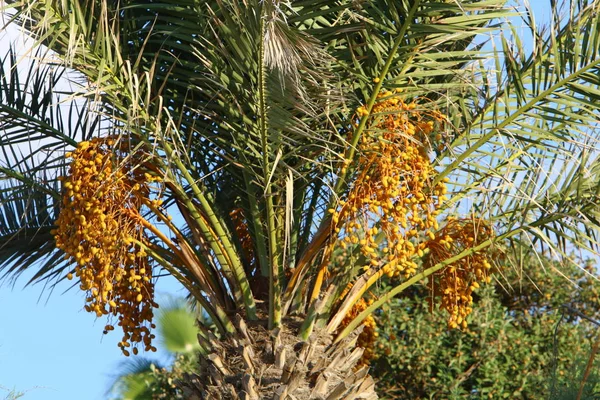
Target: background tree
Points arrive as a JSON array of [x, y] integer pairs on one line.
[[277, 133], [529, 337]]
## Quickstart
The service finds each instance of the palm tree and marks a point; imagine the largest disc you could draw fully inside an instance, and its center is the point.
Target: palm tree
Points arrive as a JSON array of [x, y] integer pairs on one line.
[[305, 150]]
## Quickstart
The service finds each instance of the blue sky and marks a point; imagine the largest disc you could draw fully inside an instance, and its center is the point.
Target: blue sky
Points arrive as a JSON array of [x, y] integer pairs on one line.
[[53, 350]]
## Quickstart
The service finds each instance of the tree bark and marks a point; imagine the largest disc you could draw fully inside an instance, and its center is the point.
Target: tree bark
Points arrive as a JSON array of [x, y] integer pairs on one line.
[[259, 364]]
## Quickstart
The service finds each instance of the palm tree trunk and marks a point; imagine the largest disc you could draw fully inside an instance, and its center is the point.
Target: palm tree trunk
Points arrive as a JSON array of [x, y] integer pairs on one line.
[[278, 365]]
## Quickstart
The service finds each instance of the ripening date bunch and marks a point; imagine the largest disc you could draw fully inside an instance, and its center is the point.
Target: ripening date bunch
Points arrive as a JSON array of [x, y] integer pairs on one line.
[[392, 211], [393, 199], [99, 229], [244, 237], [456, 283]]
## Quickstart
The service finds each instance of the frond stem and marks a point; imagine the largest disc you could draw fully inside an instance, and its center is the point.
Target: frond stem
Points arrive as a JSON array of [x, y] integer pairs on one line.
[[222, 237]]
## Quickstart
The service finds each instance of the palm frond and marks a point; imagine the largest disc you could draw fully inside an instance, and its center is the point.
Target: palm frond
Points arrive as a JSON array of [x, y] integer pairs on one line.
[[521, 155], [38, 124]]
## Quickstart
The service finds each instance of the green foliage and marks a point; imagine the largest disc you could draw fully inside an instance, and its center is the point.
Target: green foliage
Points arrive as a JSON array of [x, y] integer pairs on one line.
[[569, 387], [154, 382], [178, 330], [146, 379], [526, 339]]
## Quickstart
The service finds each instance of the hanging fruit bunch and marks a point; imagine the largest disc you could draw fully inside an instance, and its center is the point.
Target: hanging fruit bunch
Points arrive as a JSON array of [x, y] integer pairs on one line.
[[392, 206], [245, 239], [392, 198], [100, 230], [456, 282], [391, 213]]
